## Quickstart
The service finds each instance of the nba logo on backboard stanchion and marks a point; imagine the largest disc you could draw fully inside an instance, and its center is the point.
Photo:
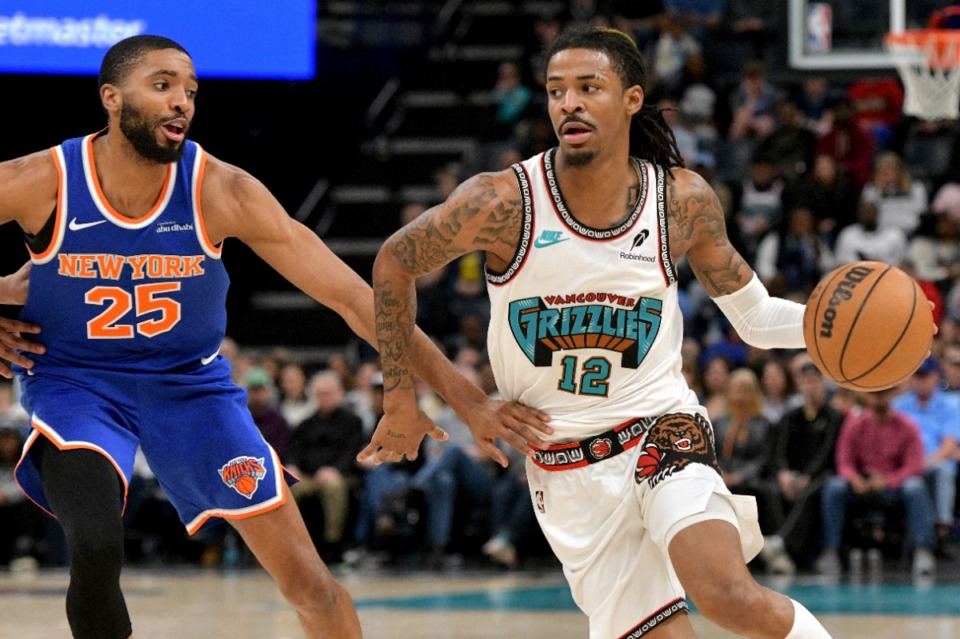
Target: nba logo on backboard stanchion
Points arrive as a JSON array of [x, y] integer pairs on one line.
[[819, 27]]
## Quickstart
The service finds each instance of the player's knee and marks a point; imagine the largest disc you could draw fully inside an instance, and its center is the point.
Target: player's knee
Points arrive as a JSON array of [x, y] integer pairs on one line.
[[312, 592], [95, 545], [728, 601]]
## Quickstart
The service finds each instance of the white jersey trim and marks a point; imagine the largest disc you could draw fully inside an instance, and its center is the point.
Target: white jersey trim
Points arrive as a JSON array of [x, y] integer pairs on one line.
[[526, 197]]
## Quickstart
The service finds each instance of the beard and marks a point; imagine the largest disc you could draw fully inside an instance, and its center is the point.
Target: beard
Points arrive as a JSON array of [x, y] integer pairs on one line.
[[142, 135], [582, 158]]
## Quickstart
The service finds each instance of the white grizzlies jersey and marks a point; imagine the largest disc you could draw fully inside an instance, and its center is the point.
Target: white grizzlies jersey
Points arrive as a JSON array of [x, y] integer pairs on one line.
[[585, 323]]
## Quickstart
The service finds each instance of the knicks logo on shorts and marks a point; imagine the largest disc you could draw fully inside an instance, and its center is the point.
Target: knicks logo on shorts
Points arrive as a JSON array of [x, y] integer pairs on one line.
[[243, 474], [674, 442]]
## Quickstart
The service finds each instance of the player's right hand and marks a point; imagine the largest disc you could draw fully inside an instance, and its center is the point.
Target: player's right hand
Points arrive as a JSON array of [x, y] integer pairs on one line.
[[11, 342], [398, 435]]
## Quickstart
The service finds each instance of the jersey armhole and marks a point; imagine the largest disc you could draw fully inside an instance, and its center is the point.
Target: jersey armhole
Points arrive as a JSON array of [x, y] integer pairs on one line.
[[666, 262], [212, 250], [526, 232]]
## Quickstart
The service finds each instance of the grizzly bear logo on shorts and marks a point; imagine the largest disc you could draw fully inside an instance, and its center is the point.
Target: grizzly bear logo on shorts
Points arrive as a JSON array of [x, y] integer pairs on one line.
[[674, 442]]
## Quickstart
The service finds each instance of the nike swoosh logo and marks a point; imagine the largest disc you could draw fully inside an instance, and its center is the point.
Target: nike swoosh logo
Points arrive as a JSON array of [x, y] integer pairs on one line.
[[79, 226], [206, 360], [544, 243]]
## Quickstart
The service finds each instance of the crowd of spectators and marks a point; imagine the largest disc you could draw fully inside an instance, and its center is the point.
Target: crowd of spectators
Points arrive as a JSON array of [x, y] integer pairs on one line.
[[812, 174]]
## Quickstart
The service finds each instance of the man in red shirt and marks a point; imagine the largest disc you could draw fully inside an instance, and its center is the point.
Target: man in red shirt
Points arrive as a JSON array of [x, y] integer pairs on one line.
[[879, 463]]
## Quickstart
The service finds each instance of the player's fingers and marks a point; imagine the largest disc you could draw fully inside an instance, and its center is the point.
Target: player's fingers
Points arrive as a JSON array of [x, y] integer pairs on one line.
[[494, 452], [368, 451], [437, 433], [14, 357], [524, 432], [16, 326], [5, 372], [519, 443], [532, 418], [15, 342]]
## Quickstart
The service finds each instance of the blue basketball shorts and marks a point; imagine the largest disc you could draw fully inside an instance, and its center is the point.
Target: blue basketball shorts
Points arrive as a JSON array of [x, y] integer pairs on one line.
[[195, 431]]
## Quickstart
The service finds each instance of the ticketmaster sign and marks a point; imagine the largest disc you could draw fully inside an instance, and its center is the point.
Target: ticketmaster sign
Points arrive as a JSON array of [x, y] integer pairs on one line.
[[227, 38]]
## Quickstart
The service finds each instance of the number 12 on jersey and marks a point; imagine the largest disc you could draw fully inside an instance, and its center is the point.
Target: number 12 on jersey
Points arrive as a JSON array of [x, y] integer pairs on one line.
[[591, 379]]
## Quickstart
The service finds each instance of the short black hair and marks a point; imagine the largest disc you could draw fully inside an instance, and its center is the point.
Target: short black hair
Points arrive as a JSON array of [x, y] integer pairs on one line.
[[125, 54]]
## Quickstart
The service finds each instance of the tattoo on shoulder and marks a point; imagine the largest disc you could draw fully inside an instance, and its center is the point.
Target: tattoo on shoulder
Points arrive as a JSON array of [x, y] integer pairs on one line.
[[434, 240], [697, 220]]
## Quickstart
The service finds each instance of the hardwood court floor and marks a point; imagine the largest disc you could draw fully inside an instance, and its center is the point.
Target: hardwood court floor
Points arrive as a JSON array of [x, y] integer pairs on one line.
[[191, 603]]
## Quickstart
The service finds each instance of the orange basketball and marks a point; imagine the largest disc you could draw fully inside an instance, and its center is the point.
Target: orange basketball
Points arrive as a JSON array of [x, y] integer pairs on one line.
[[246, 484], [868, 326]]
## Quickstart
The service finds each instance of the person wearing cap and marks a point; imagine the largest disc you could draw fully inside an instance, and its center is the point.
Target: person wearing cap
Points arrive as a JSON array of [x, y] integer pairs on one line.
[[938, 415], [262, 402]]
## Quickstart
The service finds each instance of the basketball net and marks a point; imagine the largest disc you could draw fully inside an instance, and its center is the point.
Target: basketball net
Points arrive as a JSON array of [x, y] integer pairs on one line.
[[929, 64]]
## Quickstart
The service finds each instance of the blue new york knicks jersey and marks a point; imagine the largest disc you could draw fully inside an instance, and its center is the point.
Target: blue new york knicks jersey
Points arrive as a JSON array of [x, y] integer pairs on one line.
[[127, 294]]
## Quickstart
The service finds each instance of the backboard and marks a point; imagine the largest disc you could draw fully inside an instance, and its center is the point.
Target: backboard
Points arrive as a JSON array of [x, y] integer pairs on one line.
[[842, 35]]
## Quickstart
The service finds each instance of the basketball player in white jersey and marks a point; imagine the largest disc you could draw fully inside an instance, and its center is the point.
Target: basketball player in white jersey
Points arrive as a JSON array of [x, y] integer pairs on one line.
[[581, 245]]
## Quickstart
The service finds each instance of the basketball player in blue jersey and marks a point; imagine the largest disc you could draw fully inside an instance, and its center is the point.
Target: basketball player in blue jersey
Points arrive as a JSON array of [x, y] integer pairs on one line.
[[581, 244], [125, 229]]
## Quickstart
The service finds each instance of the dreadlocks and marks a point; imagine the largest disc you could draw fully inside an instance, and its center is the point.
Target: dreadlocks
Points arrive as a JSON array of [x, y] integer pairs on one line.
[[650, 136]]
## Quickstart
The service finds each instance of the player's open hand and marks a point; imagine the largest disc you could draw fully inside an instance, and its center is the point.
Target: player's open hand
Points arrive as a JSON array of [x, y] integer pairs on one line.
[[516, 424], [11, 342], [398, 435]]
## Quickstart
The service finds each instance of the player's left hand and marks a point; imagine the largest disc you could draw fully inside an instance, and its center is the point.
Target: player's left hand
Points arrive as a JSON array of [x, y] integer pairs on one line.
[[516, 424]]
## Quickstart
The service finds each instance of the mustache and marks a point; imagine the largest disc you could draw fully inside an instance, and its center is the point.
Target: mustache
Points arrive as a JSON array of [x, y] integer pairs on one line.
[[574, 118]]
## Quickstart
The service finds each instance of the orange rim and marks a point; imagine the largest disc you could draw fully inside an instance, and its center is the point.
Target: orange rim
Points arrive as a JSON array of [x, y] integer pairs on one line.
[[941, 46]]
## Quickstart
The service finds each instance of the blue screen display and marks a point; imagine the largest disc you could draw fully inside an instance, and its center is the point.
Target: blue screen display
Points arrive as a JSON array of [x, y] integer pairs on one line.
[[226, 38]]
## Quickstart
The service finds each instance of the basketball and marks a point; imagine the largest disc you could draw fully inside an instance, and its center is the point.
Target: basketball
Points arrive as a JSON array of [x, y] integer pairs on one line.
[[868, 326]]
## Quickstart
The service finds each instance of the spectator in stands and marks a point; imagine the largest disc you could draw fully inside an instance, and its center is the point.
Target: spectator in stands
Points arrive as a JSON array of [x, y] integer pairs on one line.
[[806, 439], [744, 440], [779, 391], [671, 49], [752, 104], [22, 525], [379, 481], [758, 202], [791, 144], [294, 403], [511, 99], [752, 21], [848, 144], [879, 464], [937, 414], [865, 240], [878, 107], [795, 257], [322, 452], [262, 402], [934, 250], [814, 97], [951, 368], [899, 198], [827, 192], [701, 16]]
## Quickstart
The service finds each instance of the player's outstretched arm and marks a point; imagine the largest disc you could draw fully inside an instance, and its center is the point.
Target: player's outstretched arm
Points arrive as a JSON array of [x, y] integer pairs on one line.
[[482, 214], [698, 230], [28, 196], [242, 207]]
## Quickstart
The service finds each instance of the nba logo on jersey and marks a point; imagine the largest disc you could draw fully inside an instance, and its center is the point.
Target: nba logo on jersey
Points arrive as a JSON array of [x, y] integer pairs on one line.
[[819, 27]]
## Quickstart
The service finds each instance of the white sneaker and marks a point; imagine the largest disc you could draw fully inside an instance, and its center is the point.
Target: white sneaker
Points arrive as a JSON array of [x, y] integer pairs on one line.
[[829, 563], [501, 550], [924, 563], [775, 557]]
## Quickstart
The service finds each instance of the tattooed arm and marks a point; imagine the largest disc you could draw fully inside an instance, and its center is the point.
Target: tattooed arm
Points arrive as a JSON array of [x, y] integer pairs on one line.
[[482, 214], [698, 230]]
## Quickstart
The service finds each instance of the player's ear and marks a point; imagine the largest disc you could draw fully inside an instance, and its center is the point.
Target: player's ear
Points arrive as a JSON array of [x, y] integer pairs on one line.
[[633, 99], [111, 98]]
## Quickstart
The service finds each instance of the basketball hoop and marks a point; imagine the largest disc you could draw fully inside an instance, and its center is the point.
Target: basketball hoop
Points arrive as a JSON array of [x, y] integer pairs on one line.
[[929, 64]]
